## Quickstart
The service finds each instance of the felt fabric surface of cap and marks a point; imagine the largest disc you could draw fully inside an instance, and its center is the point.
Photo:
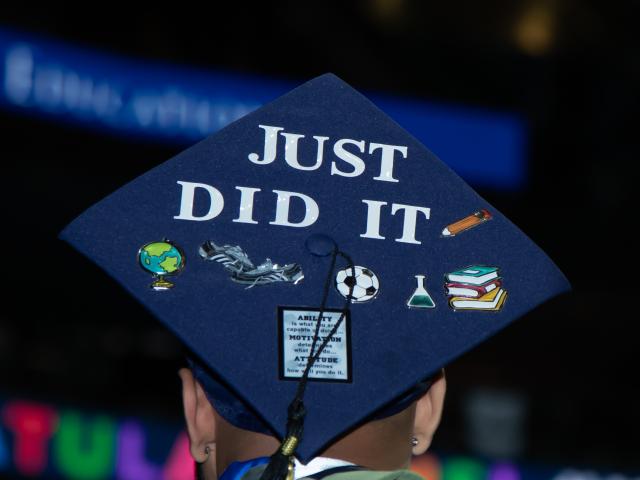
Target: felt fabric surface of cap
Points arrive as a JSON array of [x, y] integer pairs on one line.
[[321, 160], [236, 412]]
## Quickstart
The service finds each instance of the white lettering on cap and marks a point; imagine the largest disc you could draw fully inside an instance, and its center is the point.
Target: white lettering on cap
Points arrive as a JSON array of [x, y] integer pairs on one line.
[[187, 202]]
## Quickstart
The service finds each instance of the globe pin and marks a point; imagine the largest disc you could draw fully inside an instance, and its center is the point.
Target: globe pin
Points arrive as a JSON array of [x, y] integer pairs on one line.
[[161, 259]]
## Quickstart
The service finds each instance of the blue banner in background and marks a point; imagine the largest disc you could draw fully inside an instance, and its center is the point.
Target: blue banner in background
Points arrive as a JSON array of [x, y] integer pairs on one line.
[[179, 104]]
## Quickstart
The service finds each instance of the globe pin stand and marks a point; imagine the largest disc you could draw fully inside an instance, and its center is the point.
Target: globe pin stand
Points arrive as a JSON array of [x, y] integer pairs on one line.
[[161, 284]]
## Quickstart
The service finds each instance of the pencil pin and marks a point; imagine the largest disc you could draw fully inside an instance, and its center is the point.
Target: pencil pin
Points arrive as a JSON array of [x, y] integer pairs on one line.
[[466, 223]]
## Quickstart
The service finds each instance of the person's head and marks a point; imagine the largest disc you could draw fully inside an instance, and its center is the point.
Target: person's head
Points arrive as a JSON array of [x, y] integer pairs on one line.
[[386, 267], [382, 444]]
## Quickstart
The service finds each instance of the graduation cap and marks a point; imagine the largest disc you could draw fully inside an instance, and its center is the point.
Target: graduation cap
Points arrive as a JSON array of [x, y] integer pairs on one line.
[[316, 211]]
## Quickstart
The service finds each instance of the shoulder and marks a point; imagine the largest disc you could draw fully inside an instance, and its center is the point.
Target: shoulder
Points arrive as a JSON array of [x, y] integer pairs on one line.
[[374, 475]]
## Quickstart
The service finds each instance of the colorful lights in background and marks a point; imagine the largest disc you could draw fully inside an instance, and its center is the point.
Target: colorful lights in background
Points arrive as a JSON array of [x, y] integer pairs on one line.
[[40, 440], [170, 103]]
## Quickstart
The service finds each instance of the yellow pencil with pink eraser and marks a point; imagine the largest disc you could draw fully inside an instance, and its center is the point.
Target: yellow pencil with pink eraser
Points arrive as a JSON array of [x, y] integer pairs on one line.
[[466, 223]]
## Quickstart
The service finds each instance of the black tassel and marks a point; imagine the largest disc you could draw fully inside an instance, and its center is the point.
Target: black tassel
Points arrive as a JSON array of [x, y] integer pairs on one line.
[[279, 466], [281, 463]]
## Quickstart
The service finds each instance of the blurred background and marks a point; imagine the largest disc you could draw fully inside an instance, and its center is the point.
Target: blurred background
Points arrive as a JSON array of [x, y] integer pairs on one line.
[[531, 101]]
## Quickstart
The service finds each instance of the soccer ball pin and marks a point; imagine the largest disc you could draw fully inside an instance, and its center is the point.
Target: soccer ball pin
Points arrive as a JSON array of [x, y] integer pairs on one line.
[[365, 284]]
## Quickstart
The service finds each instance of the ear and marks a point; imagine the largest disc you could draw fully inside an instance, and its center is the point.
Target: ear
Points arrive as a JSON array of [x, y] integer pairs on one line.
[[199, 417], [428, 414]]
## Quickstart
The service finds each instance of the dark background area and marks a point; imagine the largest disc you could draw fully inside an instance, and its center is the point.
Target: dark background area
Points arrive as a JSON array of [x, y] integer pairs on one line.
[[570, 68]]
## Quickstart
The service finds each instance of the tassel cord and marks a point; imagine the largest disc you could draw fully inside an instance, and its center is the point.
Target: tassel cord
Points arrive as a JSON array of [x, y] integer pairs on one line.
[[281, 463]]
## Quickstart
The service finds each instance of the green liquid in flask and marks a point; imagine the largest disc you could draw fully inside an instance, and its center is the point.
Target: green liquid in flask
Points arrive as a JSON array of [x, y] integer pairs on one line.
[[420, 297]]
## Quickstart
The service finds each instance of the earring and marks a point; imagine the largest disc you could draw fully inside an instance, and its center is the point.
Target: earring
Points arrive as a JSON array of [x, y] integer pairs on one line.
[[207, 450], [414, 441]]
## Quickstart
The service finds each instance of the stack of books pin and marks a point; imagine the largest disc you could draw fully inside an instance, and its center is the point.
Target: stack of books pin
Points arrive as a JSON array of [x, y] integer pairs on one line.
[[476, 287]]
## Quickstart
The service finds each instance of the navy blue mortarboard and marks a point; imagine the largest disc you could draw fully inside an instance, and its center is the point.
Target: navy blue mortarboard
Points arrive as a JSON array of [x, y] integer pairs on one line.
[[230, 244]]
